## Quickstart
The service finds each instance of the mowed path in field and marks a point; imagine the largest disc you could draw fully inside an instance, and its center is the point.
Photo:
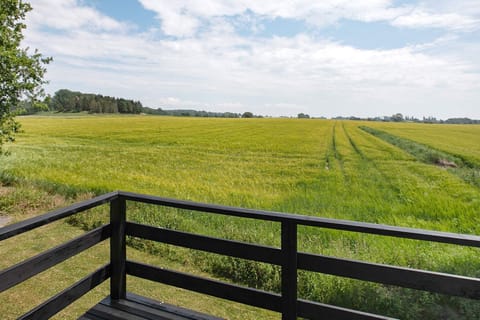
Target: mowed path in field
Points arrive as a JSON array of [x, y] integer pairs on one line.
[[461, 140], [316, 167]]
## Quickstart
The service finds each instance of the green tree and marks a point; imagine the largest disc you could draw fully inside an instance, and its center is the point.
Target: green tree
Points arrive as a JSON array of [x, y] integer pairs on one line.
[[21, 73], [397, 117], [303, 116], [247, 114]]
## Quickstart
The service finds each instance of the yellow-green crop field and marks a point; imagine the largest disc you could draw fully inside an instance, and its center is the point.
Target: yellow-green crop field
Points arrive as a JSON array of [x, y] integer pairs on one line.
[[307, 166]]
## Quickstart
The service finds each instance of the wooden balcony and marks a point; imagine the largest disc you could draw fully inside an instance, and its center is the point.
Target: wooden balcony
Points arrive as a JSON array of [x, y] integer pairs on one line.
[[123, 305]]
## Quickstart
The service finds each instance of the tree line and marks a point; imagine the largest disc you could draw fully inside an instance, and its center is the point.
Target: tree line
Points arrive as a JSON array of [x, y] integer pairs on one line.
[[73, 101], [195, 113], [65, 100], [398, 117]]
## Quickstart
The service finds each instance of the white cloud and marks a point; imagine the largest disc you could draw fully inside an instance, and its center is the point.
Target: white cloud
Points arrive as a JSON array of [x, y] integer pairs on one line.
[[68, 14], [219, 70], [464, 7], [420, 18], [184, 18]]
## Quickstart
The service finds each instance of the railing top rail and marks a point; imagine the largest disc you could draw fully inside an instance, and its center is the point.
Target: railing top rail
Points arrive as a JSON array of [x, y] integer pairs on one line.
[[35, 222], [344, 225]]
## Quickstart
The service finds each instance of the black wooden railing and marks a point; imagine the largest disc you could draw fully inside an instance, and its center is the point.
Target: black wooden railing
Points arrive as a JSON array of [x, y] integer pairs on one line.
[[287, 257]]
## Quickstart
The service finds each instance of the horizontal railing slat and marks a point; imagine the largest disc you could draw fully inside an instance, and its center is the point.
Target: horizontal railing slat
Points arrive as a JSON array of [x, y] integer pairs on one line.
[[249, 296], [314, 310], [188, 240], [69, 295], [344, 225], [32, 266], [29, 224], [403, 277]]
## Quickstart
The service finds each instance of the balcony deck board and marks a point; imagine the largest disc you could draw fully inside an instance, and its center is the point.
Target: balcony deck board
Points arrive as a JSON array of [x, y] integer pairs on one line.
[[135, 307]]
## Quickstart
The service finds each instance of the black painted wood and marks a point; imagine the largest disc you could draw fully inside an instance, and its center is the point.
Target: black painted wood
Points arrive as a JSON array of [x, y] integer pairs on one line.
[[118, 250], [107, 312], [319, 311], [253, 297], [139, 310], [170, 308], [289, 271], [403, 277], [137, 307], [69, 295], [90, 317], [189, 240], [30, 267], [345, 225], [29, 224]]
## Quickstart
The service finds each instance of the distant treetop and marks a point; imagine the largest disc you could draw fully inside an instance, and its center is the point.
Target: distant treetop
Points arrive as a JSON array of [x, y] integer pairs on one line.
[[73, 101]]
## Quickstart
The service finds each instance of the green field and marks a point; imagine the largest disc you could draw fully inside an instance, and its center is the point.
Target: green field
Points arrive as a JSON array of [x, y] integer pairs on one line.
[[313, 167]]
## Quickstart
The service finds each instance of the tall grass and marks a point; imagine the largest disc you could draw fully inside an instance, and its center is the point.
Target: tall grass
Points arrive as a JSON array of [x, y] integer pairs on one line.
[[313, 167]]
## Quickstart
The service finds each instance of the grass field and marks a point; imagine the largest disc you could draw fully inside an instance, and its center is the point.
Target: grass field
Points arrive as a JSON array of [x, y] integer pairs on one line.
[[314, 167]]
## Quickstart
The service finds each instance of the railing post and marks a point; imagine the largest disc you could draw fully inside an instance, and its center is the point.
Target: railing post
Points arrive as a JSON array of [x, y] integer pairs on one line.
[[289, 270], [118, 253]]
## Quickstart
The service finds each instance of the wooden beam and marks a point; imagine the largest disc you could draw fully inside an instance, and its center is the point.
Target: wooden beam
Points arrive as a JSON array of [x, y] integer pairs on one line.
[[118, 250], [30, 267]]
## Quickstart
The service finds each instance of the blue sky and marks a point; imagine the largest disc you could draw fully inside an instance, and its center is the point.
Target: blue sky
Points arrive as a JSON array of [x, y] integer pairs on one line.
[[329, 58]]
